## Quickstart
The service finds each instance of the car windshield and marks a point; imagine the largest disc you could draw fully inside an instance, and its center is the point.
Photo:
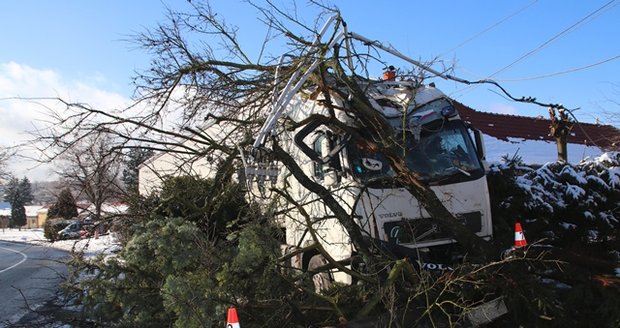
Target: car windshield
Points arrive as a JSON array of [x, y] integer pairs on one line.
[[442, 153]]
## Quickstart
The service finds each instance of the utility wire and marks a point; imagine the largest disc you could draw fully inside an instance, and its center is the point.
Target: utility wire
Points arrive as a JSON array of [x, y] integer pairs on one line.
[[555, 37], [561, 72], [543, 45], [488, 29]]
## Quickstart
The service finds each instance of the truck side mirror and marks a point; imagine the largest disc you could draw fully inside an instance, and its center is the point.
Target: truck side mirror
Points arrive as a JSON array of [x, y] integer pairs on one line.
[[480, 149]]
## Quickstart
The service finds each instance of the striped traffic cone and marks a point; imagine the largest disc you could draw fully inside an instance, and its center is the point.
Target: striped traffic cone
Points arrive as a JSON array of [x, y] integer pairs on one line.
[[519, 236], [232, 321]]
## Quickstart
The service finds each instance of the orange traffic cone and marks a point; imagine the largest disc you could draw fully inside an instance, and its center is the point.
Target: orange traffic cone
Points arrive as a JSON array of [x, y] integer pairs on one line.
[[519, 236], [232, 320]]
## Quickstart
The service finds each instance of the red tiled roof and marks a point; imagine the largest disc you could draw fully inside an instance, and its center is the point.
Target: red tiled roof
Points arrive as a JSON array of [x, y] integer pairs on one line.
[[503, 126]]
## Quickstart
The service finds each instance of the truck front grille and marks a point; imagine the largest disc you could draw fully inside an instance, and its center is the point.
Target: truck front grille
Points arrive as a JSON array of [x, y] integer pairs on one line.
[[427, 229]]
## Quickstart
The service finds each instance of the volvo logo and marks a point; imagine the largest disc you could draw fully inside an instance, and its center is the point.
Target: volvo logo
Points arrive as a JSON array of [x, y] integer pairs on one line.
[[390, 215], [435, 267]]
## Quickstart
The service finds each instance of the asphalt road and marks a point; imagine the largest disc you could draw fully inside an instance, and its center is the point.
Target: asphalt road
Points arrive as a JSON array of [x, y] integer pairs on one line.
[[29, 277]]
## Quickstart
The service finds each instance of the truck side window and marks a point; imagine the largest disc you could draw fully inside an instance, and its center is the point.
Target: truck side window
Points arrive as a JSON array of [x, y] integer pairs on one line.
[[322, 145], [317, 146]]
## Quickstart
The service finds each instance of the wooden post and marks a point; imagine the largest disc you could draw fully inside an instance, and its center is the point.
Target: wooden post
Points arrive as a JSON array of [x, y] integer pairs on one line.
[[560, 128]]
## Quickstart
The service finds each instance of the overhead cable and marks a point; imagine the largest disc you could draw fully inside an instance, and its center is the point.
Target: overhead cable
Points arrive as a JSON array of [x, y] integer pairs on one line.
[[488, 29], [546, 43], [561, 72], [555, 37]]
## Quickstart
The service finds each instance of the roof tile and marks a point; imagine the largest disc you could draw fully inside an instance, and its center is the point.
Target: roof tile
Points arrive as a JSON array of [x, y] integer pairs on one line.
[[504, 127]]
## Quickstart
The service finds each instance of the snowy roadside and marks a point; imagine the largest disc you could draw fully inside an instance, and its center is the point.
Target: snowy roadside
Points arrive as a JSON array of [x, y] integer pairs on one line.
[[105, 244]]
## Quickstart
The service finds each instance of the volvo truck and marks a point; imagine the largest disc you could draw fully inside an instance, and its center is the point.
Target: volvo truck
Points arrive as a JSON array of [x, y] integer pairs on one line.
[[438, 146]]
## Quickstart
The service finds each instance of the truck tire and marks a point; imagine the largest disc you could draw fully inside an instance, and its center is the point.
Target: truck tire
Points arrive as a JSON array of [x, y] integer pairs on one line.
[[322, 280]]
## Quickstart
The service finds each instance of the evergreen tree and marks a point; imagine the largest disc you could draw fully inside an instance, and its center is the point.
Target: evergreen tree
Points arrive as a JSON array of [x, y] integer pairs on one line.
[[18, 194], [65, 206], [25, 188], [135, 157]]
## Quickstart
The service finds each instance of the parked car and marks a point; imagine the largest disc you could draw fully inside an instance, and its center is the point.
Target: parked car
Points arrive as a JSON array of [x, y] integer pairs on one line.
[[72, 231]]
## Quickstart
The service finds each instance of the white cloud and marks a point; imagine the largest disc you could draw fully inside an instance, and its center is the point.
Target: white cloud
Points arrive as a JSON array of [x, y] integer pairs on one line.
[[23, 106]]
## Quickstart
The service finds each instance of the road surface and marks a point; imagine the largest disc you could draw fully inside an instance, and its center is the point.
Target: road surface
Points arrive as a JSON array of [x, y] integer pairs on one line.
[[29, 277]]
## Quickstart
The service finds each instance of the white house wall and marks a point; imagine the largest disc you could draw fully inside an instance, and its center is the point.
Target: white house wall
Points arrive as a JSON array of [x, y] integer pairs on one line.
[[152, 172]]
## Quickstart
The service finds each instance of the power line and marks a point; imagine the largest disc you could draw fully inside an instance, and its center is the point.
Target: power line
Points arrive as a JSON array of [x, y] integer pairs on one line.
[[544, 44], [555, 37], [488, 28], [562, 72]]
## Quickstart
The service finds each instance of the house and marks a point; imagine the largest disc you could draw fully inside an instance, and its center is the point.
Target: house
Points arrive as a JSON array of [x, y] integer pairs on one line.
[[42, 216], [32, 216], [5, 214], [36, 215], [107, 209], [155, 169], [178, 161], [529, 137]]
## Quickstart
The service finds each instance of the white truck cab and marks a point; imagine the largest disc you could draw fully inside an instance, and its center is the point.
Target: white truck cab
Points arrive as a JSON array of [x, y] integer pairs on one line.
[[437, 146]]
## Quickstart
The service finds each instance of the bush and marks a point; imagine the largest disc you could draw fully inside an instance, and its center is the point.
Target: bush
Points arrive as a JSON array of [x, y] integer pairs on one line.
[[169, 276], [52, 227], [187, 256], [572, 211]]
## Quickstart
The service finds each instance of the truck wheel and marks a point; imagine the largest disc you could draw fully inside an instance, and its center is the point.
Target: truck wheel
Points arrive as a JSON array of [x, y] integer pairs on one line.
[[322, 280]]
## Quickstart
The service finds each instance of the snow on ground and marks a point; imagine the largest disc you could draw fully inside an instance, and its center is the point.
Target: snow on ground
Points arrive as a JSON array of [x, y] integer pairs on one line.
[[106, 244]]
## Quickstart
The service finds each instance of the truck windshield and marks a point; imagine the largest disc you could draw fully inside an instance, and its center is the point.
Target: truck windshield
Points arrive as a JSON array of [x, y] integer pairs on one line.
[[443, 153]]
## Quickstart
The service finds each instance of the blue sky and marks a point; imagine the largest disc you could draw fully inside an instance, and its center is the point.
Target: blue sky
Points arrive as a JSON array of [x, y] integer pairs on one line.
[[83, 49]]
